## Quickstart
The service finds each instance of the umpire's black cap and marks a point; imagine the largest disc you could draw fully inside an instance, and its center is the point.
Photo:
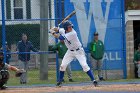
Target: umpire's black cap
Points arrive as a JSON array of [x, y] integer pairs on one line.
[[96, 34]]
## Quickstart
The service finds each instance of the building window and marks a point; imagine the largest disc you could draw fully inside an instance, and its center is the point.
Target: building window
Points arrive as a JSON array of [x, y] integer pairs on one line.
[[28, 9], [18, 9], [8, 9]]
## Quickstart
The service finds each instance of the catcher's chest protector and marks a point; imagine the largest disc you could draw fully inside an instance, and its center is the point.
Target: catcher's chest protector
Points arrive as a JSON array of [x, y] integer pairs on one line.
[[4, 74]]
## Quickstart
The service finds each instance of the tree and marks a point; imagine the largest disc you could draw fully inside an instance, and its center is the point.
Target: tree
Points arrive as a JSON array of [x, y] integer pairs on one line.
[[132, 4]]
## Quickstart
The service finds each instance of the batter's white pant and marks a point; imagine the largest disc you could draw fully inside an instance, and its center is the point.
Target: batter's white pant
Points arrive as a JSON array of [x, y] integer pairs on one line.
[[70, 55]]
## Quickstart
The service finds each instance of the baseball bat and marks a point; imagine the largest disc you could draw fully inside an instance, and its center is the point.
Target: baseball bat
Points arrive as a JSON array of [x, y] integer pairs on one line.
[[67, 17]]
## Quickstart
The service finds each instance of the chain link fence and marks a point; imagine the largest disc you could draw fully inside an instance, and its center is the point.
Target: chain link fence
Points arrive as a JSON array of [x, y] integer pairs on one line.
[[23, 16], [27, 16]]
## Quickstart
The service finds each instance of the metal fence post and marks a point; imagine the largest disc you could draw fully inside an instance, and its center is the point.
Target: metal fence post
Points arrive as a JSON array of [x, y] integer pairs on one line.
[[44, 39], [3, 29], [124, 40], [56, 22]]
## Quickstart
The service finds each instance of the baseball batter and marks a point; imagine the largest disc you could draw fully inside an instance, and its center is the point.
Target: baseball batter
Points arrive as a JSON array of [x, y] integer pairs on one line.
[[75, 50]]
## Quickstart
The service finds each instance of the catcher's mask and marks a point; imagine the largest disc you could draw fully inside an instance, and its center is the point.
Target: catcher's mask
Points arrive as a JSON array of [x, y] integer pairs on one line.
[[1, 57]]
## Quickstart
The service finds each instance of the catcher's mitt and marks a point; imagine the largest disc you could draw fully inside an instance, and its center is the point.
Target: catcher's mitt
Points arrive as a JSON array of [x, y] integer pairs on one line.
[[19, 72]]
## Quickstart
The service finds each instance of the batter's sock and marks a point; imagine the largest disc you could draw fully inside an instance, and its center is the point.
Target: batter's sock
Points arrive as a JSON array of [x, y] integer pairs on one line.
[[90, 75], [61, 76]]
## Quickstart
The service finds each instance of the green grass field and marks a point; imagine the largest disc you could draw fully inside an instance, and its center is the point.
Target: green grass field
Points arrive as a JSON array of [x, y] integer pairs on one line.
[[33, 78]]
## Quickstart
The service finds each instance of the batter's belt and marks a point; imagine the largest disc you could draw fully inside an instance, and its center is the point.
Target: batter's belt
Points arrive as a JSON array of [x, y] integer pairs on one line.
[[75, 49]]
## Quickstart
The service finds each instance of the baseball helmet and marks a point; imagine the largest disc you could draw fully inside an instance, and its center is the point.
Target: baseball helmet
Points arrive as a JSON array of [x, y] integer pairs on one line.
[[67, 24]]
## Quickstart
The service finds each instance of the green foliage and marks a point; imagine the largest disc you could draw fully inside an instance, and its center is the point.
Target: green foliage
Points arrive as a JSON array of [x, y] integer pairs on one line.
[[132, 4], [14, 32]]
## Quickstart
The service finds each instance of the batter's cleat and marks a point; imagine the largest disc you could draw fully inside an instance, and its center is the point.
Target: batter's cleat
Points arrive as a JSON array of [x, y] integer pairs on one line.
[[3, 87], [95, 83], [58, 84]]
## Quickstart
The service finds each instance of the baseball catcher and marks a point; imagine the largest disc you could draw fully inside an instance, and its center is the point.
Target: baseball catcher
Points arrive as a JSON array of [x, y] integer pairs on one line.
[[4, 73]]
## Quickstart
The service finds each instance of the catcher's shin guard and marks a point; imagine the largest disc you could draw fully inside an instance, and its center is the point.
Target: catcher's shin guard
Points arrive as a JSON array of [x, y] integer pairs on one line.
[[2, 82], [4, 76]]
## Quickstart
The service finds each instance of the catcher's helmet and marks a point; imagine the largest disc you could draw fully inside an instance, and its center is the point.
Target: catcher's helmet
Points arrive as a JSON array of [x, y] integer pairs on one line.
[[1, 56], [67, 24]]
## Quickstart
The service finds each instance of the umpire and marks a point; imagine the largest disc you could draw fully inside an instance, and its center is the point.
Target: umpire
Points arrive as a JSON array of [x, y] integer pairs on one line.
[[97, 52], [62, 49]]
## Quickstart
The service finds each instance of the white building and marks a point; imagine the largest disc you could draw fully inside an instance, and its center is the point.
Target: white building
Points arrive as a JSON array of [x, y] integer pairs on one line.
[[23, 10], [132, 18], [26, 12]]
